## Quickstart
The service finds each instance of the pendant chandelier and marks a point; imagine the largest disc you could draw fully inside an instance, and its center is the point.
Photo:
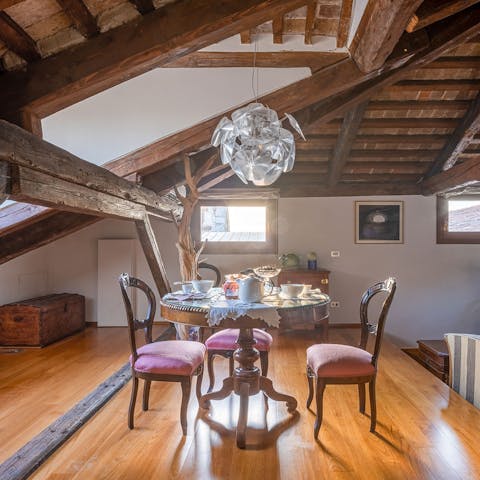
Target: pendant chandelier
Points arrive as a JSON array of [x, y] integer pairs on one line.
[[255, 144]]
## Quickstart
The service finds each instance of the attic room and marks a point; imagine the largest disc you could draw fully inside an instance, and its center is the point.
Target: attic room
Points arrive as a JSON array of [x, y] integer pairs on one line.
[[282, 196]]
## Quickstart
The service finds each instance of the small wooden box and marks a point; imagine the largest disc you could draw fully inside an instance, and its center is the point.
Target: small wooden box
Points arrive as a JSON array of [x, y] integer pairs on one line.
[[315, 278], [43, 320], [434, 355]]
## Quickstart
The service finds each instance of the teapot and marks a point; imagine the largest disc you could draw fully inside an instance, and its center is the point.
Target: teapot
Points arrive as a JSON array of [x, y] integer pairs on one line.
[[250, 289]]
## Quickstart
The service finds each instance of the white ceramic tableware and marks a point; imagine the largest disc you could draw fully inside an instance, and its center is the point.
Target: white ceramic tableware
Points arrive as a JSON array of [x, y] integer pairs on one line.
[[250, 289], [291, 290], [187, 287], [307, 290], [202, 286]]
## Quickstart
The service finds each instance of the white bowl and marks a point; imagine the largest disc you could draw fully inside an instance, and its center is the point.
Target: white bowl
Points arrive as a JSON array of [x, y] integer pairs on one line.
[[187, 287], [291, 290], [202, 286]]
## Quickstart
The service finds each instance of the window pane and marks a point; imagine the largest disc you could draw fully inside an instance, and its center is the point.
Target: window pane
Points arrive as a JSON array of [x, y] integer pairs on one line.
[[233, 224], [464, 215], [7, 203]]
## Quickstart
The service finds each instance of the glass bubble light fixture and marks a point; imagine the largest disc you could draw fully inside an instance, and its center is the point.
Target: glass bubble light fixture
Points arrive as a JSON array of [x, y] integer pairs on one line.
[[255, 144]]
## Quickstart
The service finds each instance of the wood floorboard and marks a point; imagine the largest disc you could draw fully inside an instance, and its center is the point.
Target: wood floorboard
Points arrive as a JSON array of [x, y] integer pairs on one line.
[[425, 431]]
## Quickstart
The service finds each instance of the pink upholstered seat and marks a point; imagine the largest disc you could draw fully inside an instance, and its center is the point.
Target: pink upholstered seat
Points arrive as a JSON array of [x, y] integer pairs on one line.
[[227, 340], [171, 357], [330, 360]]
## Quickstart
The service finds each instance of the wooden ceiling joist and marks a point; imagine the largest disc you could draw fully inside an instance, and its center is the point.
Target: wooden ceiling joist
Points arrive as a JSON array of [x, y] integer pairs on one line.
[[344, 23], [345, 141], [431, 11], [285, 59], [460, 139], [310, 21], [277, 29], [246, 36], [82, 18], [379, 31], [148, 42], [144, 6], [8, 3], [17, 39]]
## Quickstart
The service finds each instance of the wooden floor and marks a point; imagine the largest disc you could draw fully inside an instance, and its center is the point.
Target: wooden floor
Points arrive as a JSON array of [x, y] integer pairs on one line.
[[424, 430]]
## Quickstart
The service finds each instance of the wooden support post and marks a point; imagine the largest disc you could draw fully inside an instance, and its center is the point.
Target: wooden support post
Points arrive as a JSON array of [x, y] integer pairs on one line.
[[152, 254]]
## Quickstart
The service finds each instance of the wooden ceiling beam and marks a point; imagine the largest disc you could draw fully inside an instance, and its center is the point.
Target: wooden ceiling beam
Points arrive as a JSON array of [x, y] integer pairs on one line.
[[399, 105], [144, 6], [285, 59], [431, 11], [148, 42], [344, 23], [382, 24], [8, 3], [277, 29], [460, 139], [40, 230], [346, 139], [459, 176], [16, 39], [310, 21], [435, 85], [316, 100], [80, 15], [246, 37], [38, 160], [217, 178], [466, 62], [348, 190]]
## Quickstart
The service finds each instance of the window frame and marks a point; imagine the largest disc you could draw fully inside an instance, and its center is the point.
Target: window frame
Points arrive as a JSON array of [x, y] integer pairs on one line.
[[443, 235], [270, 246]]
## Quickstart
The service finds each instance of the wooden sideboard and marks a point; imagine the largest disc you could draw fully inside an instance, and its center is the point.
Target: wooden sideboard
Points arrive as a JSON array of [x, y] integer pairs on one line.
[[302, 320], [315, 278]]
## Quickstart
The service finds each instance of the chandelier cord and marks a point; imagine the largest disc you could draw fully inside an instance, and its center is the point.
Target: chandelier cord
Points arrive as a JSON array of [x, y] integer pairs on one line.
[[255, 72]]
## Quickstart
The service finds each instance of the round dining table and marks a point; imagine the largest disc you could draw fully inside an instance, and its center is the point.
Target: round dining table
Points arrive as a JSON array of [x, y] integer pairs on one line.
[[246, 379]]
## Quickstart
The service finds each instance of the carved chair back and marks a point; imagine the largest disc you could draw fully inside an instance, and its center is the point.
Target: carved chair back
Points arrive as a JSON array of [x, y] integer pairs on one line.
[[126, 281], [388, 287]]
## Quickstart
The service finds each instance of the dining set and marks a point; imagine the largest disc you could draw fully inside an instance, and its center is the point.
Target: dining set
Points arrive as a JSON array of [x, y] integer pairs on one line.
[[241, 335]]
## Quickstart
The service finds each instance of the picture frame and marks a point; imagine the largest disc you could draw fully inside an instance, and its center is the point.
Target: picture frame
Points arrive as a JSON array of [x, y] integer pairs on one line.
[[379, 222]]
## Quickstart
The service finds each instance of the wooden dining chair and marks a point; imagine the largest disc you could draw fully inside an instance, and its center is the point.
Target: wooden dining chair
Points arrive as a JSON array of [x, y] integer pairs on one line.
[[345, 364], [167, 361], [224, 343]]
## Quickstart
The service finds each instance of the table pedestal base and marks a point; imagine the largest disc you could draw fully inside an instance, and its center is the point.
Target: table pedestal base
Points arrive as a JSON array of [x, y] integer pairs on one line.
[[246, 381]]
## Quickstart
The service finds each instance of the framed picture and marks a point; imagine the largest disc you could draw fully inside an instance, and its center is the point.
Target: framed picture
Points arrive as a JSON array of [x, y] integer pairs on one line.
[[378, 222]]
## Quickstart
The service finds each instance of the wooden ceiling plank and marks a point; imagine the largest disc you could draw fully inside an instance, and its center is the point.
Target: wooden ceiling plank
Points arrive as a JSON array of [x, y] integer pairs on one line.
[[8, 3], [460, 175], [144, 6], [379, 31], [446, 35], [277, 29], [310, 21], [402, 105], [17, 215], [285, 59], [316, 100], [460, 139], [81, 17], [465, 62], [148, 42], [346, 139], [431, 11], [21, 148], [344, 23], [17, 39]]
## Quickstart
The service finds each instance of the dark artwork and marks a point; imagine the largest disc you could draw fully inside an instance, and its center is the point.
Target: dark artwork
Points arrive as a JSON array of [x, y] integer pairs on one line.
[[379, 222]]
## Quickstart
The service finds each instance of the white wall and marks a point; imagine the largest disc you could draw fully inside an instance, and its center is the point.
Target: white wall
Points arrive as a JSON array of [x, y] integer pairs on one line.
[[437, 284]]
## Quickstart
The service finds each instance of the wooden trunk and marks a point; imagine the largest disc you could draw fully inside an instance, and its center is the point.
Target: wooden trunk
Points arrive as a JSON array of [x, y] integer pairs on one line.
[[43, 320], [433, 354]]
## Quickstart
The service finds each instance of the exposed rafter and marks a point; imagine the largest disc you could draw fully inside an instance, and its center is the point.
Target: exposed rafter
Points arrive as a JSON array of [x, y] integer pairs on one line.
[[17, 39], [344, 23], [380, 29], [151, 41], [81, 17], [460, 139], [277, 29], [431, 11], [345, 141], [310, 21], [144, 6]]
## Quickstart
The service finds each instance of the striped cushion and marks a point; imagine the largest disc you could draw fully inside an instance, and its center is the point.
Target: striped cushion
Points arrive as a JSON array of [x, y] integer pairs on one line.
[[465, 365]]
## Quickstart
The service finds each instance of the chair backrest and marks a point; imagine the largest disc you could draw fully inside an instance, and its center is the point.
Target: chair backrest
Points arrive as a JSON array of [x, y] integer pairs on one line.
[[464, 358], [126, 281], [214, 269], [388, 287]]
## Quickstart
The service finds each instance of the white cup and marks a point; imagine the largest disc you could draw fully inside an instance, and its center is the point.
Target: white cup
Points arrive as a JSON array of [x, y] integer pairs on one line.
[[307, 289], [187, 287], [291, 290]]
